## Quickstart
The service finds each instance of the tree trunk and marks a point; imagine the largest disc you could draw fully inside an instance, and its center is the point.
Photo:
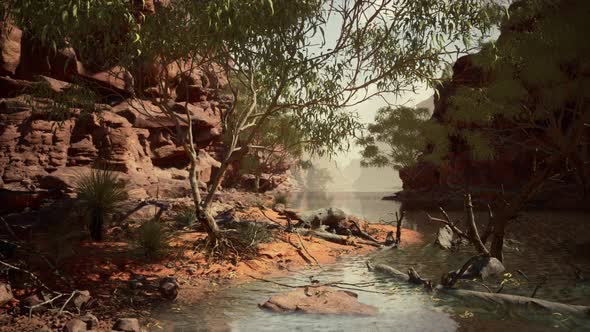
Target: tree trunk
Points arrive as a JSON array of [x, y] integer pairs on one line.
[[257, 183], [517, 203], [203, 216]]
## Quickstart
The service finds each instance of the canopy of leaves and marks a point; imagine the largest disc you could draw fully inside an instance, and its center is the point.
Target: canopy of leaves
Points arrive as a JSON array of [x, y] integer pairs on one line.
[[396, 138], [278, 49], [538, 97]]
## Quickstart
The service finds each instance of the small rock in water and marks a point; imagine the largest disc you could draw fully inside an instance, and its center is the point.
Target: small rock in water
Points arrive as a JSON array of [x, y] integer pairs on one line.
[[444, 238]]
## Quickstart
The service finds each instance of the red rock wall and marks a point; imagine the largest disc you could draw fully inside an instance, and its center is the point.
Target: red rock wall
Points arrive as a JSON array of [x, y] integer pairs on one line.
[[39, 153]]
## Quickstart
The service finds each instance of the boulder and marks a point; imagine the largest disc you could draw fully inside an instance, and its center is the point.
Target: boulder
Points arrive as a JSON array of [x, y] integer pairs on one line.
[[5, 294], [75, 325], [319, 300], [127, 325], [482, 267], [444, 238]]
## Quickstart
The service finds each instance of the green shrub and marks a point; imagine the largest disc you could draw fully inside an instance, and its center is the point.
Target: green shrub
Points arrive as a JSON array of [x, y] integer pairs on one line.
[[252, 234], [281, 198], [186, 216], [152, 238], [99, 193]]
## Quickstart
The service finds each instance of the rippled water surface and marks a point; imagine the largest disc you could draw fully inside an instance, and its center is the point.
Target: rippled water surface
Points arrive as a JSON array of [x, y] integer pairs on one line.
[[540, 247]]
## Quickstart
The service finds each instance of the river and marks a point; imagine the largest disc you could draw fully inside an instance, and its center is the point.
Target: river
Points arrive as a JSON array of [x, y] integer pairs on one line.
[[540, 247]]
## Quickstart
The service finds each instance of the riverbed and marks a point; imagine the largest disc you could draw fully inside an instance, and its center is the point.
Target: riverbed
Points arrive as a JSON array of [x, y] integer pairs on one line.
[[540, 247]]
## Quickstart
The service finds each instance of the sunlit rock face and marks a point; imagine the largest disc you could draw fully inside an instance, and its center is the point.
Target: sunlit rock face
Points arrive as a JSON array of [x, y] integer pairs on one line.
[[427, 183], [129, 136]]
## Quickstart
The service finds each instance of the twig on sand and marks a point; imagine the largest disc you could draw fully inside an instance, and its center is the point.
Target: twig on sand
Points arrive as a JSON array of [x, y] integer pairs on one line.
[[67, 301], [269, 218], [307, 251], [31, 308]]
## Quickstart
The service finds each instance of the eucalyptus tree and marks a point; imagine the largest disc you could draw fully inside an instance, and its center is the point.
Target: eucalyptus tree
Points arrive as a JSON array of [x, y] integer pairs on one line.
[[396, 138], [312, 58]]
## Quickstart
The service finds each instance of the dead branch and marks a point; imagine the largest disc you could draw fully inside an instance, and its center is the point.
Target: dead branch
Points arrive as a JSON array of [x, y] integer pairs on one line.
[[453, 279], [23, 244], [307, 251], [473, 233], [340, 285], [343, 240], [450, 224], [522, 302], [31, 274], [398, 226], [269, 218], [33, 307], [362, 233]]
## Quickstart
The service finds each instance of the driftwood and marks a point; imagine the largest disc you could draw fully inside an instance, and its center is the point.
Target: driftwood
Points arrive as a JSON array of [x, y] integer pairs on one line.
[[411, 277], [483, 298], [339, 239], [361, 233], [517, 301], [449, 223]]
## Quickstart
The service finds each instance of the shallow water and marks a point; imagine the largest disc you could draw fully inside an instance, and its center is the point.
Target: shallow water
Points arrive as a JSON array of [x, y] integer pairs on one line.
[[538, 251]]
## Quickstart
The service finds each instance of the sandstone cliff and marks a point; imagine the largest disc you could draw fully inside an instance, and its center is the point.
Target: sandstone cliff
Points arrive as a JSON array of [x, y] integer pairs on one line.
[[40, 152], [513, 164]]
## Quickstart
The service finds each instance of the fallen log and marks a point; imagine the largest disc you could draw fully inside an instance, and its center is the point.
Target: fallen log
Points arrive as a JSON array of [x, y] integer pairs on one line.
[[339, 239], [517, 302], [388, 270], [411, 277], [494, 299]]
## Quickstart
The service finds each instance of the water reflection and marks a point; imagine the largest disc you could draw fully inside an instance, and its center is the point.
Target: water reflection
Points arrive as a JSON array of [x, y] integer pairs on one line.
[[540, 247]]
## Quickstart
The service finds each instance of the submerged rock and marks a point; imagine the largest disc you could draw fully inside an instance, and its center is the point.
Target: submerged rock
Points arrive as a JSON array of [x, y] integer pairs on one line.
[[319, 300]]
